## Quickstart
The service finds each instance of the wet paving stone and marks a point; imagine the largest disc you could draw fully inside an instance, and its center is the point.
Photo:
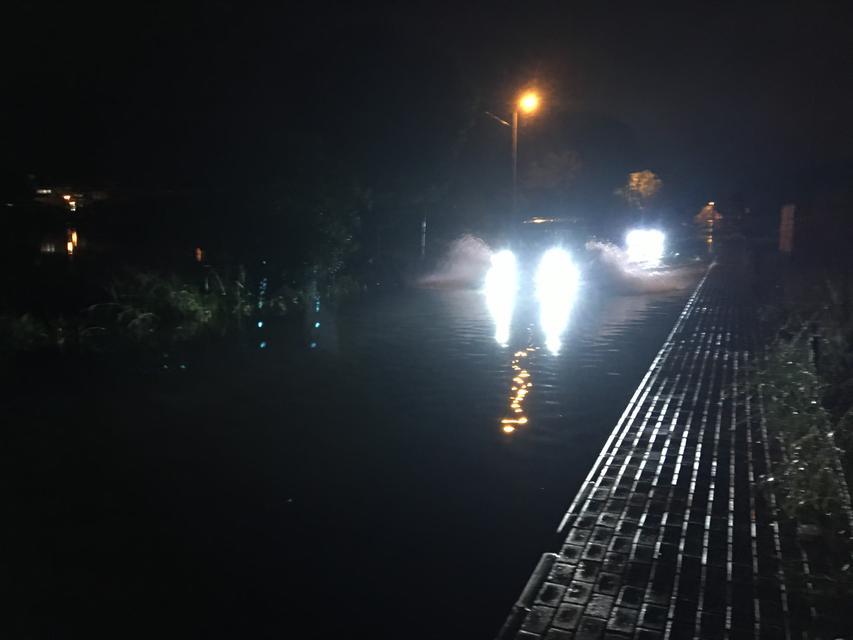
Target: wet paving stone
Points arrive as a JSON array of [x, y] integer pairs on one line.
[[672, 535], [651, 521], [638, 499], [768, 632], [742, 574], [537, 619], [568, 616], [594, 506], [570, 554], [713, 627], [550, 594], [621, 544], [637, 574], [716, 556], [685, 613], [642, 553], [690, 578], [609, 519], [599, 606], [656, 507], [561, 574], [719, 524], [587, 570], [742, 633], [594, 551], [557, 634], [601, 535], [652, 617], [622, 620], [743, 610], [634, 513], [644, 486], [590, 629], [579, 536], [681, 632], [647, 537], [667, 553], [631, 597], [614, 562], [578, 592], [659, 592], [715, 590], [600, 494], [608, 583]]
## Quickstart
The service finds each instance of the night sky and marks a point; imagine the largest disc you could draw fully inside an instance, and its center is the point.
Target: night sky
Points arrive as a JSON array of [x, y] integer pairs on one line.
[[713, 99]]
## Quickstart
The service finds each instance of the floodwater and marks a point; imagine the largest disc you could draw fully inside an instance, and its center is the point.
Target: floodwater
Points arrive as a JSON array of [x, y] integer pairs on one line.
[[391, 481]]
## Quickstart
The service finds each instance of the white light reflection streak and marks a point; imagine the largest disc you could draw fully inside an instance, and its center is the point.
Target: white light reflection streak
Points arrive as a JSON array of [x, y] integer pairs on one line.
[[521, 385], [557, 281], [501, 288]]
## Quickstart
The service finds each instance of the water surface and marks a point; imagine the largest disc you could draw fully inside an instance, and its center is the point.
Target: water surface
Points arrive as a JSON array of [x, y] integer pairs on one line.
[[367, 485]]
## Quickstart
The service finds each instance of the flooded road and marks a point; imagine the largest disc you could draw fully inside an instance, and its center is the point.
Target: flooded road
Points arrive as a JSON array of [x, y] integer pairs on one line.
[[366, 486]]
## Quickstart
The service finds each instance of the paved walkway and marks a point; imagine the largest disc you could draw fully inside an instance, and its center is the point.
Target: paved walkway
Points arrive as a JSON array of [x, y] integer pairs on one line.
[[670, 536]]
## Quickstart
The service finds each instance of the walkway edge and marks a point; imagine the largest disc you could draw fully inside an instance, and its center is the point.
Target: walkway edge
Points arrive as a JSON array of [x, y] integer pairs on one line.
[[667, 345]]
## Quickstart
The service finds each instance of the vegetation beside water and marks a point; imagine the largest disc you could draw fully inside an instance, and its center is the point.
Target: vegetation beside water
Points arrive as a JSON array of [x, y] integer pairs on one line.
[[144, 310], [806, 381]]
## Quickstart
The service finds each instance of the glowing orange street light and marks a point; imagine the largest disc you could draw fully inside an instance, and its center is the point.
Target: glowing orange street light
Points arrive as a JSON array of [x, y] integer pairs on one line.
[[528, 102]]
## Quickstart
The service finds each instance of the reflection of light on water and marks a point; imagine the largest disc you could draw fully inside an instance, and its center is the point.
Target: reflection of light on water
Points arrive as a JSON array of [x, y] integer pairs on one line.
[[500, 288], [557, 280], [72, 241], [521, 385], [71, 244]]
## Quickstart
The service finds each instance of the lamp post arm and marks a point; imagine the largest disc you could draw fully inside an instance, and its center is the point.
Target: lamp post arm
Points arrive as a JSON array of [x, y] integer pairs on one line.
[[499, 119]]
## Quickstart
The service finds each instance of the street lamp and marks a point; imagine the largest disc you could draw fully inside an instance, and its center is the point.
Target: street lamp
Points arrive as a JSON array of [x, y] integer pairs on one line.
[[527, 103]]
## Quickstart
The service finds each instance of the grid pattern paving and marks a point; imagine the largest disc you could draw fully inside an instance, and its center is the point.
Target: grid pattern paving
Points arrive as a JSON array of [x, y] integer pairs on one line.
[[670, 536]]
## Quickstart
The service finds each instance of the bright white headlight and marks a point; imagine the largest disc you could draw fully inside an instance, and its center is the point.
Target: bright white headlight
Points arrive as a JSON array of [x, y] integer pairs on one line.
[[645, 245]]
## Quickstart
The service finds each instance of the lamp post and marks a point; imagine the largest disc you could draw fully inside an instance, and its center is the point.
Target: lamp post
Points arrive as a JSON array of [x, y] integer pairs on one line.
[[527, 103]]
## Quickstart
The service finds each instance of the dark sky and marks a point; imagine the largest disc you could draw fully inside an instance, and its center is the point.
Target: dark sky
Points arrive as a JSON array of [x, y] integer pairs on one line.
[[710, 97]]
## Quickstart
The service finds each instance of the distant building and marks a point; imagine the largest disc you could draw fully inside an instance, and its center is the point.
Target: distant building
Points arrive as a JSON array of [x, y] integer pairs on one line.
[[67, 197]]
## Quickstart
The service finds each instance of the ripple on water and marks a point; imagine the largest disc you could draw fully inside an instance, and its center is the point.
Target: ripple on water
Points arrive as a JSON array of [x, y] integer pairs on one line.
[[435, 351]]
